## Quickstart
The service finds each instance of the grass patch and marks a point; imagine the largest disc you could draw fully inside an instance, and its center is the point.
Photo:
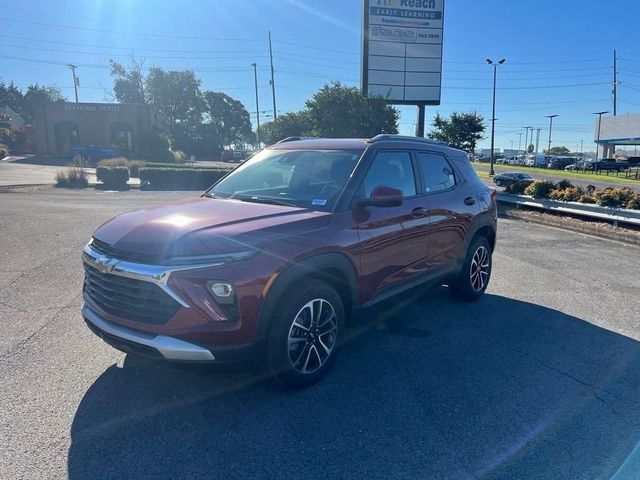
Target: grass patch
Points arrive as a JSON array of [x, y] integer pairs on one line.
[[561, 173]]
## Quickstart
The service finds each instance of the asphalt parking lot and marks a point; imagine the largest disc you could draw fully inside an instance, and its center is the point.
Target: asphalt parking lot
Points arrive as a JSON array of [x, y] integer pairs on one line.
[[540, 379]]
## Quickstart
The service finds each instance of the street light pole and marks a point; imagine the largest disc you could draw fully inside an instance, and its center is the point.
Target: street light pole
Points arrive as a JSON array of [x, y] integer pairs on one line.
[[600, 114], [75, 80], [520, 142], [550, 117], [493, 116], [255, 75]]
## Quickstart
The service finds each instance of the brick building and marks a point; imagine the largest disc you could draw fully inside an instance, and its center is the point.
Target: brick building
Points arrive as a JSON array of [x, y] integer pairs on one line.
[[62, 125]]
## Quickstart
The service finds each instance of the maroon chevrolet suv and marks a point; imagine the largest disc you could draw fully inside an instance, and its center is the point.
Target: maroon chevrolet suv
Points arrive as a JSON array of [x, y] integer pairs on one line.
[[271, 261]]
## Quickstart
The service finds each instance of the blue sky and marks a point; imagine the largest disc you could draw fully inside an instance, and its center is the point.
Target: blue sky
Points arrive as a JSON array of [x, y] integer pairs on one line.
[[559, 53]]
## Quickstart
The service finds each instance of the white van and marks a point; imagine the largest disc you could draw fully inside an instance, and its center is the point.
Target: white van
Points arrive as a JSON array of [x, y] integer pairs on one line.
[[537, 160]]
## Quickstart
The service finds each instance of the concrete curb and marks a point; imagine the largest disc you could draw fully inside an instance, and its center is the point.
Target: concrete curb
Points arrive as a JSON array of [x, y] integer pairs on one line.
[[584, 227]]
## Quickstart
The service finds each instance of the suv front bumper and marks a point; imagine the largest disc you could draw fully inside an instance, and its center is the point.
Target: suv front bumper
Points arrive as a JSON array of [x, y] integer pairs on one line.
[[143, 343]]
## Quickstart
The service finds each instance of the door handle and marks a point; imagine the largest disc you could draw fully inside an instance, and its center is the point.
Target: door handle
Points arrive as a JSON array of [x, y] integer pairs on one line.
[[419, 212], [469, 201]]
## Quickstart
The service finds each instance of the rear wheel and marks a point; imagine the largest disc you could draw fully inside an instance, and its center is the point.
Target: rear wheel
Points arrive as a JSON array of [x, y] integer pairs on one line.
[[305, 333], [474, 277]]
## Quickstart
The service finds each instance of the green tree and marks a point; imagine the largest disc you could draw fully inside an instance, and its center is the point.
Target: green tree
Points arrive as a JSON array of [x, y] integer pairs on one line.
[[11, 96], [176, 95], [531, 148], [288, 125], [558, 151], [225, 119], [340, 111], [461, 130], [36, 96], [128, 82]]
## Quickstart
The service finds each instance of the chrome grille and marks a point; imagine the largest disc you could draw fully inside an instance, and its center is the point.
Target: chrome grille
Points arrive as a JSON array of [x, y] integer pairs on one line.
[[129, 298]]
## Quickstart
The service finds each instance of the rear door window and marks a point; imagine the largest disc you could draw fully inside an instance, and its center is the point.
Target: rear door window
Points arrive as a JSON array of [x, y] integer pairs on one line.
[[437, 174]]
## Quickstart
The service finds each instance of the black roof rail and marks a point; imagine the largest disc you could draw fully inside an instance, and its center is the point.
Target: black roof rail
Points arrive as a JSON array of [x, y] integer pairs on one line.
[[405, 138], [294, 139]]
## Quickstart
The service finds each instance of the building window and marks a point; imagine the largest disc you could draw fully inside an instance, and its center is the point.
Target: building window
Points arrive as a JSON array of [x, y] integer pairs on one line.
[[122, 136], [66, 135]]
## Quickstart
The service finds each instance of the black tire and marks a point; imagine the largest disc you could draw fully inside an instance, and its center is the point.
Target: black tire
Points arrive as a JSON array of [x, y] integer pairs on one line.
[[472, 281], [310, 346]]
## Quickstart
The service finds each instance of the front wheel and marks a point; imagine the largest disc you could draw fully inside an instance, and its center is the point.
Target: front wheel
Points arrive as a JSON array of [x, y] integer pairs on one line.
[[306, 330], [474, 277]]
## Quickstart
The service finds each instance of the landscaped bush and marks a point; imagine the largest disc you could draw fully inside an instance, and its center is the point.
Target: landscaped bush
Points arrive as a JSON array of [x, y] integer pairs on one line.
[[73, 178], [634, 203], [568, 194], [564, 184], [187, 178], [4, 151], [114, 177], [515, 188], [114, 162], [587, 198], [132, 165], [540, 189], [615, 197]]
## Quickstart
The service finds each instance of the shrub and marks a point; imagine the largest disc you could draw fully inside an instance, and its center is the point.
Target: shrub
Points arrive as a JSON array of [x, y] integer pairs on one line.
[[4, 151], [187, 178], [540, 189], [586, 198], [634, 203], [591, 189], [614, 197], [569, 194], [73, 178], [515, 188], [114, 162], [564, 184], [116, 176]]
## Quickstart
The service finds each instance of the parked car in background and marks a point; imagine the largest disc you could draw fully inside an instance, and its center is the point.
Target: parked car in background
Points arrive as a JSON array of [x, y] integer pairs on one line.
[[611, 165], [633, 162], [582, 165], [271, 260], [559, 163], [509, 178]]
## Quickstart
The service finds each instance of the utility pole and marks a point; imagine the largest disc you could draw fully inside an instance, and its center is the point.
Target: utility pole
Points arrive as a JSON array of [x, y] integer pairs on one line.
[[75, 80], [255, 75], [595, 169], [273, 82], [550, 117], [526, 139], [538, 140], [520, 143], [615, 83], [493, 117]]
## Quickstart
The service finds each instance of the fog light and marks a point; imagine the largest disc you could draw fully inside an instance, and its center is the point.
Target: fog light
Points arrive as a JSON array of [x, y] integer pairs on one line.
[[221, 291]]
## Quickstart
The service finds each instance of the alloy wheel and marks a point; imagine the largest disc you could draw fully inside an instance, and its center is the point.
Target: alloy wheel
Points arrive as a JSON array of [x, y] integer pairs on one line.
[[312, 336], [480, 267]]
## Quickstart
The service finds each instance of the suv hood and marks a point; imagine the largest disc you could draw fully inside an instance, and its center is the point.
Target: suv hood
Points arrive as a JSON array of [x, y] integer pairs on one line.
[[203, 226]]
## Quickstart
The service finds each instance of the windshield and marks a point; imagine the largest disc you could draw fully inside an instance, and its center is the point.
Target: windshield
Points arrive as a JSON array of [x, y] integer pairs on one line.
[[310, 179]]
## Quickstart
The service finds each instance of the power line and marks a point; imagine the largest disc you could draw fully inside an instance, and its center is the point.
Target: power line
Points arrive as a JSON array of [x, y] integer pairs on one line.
[[141, 34]]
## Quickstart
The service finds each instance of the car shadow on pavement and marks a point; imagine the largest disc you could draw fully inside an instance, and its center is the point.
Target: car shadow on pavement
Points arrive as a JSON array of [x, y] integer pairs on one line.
[[436, 389]]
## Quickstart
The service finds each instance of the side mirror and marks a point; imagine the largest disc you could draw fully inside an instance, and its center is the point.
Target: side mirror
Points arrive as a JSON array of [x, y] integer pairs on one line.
[[383, 197]]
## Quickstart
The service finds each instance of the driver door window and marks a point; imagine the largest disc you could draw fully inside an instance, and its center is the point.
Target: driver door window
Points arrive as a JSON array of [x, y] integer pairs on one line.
[[391, 169]]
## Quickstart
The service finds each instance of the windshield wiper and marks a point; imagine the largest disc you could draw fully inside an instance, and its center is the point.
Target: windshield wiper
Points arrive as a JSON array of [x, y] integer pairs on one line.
[[270, 201], [209, 195]]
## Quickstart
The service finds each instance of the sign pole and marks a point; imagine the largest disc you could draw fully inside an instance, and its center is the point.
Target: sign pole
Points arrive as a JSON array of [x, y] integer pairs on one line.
[[422, 110]]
